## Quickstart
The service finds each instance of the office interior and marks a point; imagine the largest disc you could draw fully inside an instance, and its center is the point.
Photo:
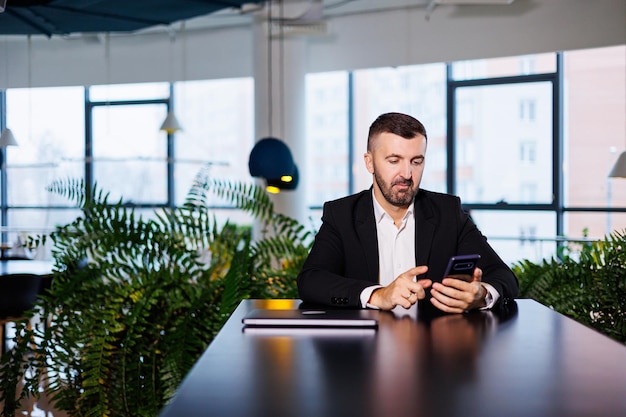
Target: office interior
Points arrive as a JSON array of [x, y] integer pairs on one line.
[[345, 38]]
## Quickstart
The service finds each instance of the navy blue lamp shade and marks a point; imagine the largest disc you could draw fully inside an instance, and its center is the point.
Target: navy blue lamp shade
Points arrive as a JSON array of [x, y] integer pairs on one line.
[[271, 159]]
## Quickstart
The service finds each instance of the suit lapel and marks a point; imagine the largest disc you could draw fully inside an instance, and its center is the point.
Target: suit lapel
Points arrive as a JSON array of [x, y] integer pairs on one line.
[[424, 228], [365, 227]]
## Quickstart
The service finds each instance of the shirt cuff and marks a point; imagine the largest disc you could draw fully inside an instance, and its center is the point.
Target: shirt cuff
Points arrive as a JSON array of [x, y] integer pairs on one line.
[[366, 294], [492, 296]]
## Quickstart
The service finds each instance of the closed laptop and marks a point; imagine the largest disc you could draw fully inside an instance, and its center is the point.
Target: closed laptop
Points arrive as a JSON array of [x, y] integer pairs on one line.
[[311, 318]]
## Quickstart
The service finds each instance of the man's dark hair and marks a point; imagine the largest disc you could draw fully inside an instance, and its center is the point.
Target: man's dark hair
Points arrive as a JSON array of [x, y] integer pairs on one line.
[[397, 123]]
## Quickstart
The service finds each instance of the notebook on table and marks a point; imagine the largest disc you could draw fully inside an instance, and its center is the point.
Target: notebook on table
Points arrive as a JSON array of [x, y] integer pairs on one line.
[[311, 318]]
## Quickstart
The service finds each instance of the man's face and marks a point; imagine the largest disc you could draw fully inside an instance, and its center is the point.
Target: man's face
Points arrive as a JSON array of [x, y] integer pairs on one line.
[[397, 165]]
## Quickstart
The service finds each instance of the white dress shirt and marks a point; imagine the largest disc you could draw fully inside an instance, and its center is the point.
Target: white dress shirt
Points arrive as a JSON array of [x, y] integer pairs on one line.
[[396, 252]]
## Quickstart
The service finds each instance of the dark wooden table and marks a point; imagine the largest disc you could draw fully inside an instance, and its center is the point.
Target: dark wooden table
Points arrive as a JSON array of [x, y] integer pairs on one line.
[[525, 361]]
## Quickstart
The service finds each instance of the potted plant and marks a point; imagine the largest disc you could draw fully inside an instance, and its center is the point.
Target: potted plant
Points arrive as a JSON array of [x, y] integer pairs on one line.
[[589, 287], [135, 302]]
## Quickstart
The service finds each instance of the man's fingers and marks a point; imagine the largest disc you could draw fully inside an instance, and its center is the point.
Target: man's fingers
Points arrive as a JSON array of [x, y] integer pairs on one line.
[[425, 283], [445, 308], [416, 270]]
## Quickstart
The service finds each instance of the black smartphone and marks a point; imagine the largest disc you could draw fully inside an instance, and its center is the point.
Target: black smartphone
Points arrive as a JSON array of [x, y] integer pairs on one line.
[[462, 267]]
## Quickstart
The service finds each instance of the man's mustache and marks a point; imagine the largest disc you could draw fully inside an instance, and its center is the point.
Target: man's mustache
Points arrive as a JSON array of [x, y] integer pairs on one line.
[[408, 182]]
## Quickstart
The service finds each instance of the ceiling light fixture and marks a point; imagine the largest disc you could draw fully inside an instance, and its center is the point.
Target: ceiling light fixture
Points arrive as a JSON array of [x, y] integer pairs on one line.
[[619, 169], [7, 138], [270, 157], [171, 124]]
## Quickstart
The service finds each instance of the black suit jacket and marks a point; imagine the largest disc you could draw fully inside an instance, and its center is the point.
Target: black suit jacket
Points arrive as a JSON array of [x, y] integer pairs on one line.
[[344, 258]]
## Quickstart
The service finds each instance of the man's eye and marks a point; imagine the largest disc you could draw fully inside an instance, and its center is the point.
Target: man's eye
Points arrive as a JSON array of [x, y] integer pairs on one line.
[[393, 161], [418, 162]]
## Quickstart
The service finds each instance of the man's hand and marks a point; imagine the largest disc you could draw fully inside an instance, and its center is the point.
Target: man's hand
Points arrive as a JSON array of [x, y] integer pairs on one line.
[[456, 296], [403, 291]]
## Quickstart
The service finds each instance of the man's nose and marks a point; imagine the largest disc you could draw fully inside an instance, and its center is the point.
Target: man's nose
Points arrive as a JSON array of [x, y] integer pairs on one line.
[[407, 170]]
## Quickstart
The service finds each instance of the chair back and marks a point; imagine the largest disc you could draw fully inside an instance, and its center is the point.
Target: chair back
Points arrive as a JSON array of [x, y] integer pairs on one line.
[[18, 293]]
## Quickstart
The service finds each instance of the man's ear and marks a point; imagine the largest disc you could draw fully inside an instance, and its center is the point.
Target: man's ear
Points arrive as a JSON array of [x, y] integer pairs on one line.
[[369, 162]]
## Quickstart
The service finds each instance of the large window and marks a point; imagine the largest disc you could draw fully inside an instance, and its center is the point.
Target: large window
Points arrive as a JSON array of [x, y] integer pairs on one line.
[[527, 142], [48, 124], [502, 156], [218, 131], [595, 135], [328, 136], [128, 152]]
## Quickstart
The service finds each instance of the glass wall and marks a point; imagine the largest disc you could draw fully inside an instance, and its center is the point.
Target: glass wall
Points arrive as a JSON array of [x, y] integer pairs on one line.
[[518, 139], [595, 135], [503, 143], [527, 142], [48, 124], [328, 136], [218, 131]]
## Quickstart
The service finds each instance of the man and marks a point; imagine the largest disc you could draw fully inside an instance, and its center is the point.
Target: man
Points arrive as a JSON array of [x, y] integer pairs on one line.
[[388, 247]]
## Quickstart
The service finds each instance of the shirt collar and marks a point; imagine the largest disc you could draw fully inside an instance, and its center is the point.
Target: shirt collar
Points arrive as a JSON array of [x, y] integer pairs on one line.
[[380, 213]]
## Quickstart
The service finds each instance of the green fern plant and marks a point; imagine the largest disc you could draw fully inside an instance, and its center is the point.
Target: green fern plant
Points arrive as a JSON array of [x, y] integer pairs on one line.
[[590, 289], [135, 302]]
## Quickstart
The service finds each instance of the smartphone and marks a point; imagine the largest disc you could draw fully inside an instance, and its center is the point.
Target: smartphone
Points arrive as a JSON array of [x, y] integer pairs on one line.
[[462, 267]]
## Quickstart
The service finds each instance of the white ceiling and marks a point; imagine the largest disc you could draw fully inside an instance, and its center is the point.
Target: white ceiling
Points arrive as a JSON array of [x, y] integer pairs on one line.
[[293, 9]]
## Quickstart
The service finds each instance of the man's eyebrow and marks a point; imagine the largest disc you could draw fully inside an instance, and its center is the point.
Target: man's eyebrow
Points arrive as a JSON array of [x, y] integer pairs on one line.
[[395, 155]]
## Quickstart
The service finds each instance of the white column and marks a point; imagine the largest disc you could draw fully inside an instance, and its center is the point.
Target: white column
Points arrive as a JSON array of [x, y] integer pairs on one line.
[[287, 105]]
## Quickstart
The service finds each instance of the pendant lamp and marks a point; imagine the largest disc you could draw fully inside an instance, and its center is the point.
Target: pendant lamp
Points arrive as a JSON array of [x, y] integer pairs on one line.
[[171, 124], [270, 157], [619, 169], [7, 138]]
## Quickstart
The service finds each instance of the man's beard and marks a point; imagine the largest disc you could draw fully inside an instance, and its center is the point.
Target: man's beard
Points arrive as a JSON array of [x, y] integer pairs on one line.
[[394, 197]]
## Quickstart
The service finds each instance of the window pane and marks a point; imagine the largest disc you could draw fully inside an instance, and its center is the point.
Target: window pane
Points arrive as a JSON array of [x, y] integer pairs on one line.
[[502, 67], [32, 222], [504, 143], [595, 128], [517, 235], [418, 90], [48, 124], [595, 225], [130, 152], [120, 92], [218, 129], [327, 136]]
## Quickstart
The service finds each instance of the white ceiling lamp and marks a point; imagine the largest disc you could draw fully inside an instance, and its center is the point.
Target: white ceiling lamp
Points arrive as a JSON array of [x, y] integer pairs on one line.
[[171, 124], [619, 169], [7, 138]]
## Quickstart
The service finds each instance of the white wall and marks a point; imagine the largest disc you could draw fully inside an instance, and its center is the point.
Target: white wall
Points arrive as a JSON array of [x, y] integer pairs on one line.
[[469, 32], [388, 38]]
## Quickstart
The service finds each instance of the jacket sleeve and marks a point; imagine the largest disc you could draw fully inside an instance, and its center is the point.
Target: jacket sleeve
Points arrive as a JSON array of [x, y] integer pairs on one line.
[[336, 270], [455, 233]]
